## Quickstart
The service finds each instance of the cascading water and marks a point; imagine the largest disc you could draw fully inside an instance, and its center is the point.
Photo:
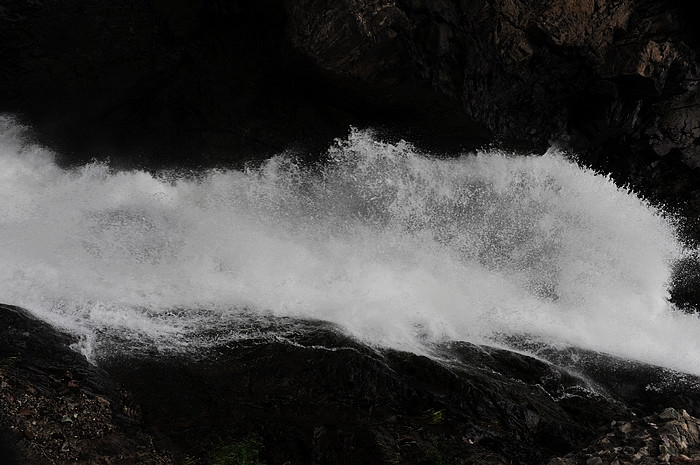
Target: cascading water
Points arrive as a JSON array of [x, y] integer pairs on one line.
[[398, 249]]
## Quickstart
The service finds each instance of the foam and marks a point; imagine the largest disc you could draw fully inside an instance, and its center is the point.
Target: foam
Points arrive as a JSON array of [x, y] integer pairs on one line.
[[397, 249]]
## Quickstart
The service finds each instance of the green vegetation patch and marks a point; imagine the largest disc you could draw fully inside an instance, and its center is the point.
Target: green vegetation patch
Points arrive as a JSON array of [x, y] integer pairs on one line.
[[433, 416], [244, 451]]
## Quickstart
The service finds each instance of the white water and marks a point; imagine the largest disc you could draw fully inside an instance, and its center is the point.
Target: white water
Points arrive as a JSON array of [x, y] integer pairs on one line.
[[398, 249]]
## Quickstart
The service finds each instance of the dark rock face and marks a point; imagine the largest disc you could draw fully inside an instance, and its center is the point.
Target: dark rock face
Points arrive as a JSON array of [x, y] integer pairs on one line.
[[660, 438], [327, 399], [316, 397], [185, 83], [56, 408], [8, 450], [200, 82]]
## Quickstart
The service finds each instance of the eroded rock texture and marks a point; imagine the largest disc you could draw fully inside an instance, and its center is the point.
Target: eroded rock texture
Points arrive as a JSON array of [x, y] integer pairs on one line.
[[56, 408], [318, 397], [669, 436]]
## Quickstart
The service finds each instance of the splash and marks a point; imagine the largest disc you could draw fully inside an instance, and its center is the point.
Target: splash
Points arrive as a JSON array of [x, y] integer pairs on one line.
[[396, 248]]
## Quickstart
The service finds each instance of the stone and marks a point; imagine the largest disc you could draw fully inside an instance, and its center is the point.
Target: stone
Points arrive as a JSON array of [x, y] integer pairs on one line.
[[560, 461], [322, 402], [669, 414], [625, 427], [42, 354], [640, 454], [693, 431], [304, 404]]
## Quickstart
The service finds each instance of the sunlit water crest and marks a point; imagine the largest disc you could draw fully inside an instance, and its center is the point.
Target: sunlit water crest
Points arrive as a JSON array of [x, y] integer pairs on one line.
[[396, 248]]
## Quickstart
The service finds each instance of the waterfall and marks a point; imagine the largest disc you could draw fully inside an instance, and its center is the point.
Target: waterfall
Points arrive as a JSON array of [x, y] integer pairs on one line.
[[396, 248]]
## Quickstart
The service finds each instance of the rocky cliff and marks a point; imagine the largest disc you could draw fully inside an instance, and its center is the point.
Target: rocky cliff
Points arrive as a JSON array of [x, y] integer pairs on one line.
[[204, 81], [319, 397]]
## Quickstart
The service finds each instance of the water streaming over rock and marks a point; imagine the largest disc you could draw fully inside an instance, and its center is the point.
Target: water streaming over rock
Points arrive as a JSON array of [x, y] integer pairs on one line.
[[396, 248]]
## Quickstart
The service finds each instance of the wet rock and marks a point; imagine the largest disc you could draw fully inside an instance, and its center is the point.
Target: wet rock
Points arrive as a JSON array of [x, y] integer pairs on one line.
[[45, 422], [487, 406], [317, 396], [669, 414], [341, 402], [315, 399], [667, 437]]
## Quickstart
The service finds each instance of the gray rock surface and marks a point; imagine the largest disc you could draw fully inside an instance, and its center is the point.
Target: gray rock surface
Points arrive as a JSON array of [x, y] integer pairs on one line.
[[671, 436]]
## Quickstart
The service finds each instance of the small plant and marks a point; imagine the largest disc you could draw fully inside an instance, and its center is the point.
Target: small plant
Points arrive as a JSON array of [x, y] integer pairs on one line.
[[434, 416], [231, 452]]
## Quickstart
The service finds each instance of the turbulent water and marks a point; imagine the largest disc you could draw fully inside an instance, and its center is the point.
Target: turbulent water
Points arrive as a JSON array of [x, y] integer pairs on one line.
[[396, 248]]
